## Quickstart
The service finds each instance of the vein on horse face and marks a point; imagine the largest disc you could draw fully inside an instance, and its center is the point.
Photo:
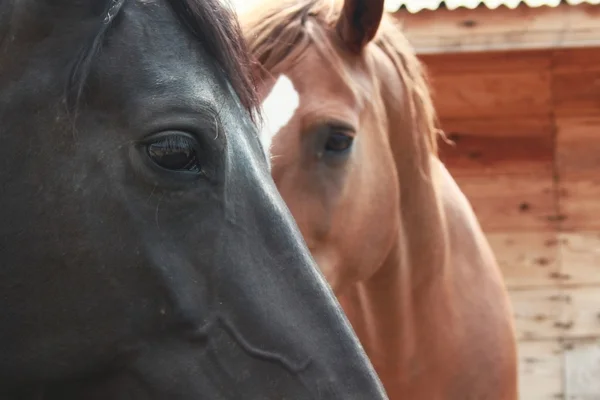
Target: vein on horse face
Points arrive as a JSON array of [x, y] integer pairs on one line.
[[279, 108]]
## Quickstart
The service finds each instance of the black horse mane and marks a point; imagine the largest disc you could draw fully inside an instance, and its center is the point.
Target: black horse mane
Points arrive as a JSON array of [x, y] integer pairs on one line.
[[210, 21]]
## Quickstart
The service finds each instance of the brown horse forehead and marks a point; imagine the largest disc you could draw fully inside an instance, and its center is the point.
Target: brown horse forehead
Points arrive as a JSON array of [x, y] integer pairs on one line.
[[314, 113], [323, 99], [317, 81], [312, 67]]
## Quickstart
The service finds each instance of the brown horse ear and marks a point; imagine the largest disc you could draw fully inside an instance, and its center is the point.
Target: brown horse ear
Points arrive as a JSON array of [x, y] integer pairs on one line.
[[358, 22]]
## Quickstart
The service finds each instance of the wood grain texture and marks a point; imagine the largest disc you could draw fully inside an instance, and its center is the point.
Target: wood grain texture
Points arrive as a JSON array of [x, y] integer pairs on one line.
[[494, 61], [482, 29], [576, 82], [576, 60], [469, 95], [527, 259], [532, 176], [540, 314], [576, 93], [498, 146], [541, 370], [578, 146], [512, 203], [579, 202], [582, 369], [579, 254], [558, 312], [582, 314]]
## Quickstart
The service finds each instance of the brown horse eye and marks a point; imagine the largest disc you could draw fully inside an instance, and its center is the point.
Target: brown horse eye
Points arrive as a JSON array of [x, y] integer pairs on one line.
[[338, 142], [175, 152]]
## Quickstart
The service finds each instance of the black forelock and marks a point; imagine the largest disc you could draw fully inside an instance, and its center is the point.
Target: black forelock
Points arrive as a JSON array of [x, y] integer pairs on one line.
[[215, 26]]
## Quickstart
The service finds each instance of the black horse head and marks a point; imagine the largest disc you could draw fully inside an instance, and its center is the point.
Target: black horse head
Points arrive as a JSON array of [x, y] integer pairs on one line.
[[145, 252]]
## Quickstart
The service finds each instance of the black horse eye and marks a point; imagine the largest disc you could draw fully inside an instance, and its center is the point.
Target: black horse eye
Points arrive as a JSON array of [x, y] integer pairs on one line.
[[338, 142], [175, 152]]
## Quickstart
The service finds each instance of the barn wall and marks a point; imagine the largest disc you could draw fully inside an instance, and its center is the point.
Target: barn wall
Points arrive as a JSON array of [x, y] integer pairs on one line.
[[526, 128], [503, 28]]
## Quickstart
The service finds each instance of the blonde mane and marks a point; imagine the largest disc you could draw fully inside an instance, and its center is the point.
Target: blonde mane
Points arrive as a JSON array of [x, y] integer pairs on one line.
[[279, 31]]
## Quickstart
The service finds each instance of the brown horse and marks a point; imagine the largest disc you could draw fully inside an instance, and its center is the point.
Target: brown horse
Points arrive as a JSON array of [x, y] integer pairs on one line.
[[355, 158]]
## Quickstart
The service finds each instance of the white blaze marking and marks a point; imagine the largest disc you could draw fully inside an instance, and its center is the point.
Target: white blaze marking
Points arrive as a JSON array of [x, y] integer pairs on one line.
[[278, 108]]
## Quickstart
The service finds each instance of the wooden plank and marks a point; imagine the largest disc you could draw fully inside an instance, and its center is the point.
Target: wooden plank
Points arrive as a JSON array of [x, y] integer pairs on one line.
[[582, 369], [539, 127], [540, 370], [503, 146], [491, 61], [559, 312], [576, 93], [482, 29], [579, 205], [540, 314], [580, 257], [484, 95], [578, 145], [476, 155], [578, 157], [576, 60], [583, 312], [527, 259], [482, 20], [508, 203]]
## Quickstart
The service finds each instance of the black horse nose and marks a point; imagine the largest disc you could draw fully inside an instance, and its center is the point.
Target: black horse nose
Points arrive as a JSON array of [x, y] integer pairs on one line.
[[241, 369], [219, 363]]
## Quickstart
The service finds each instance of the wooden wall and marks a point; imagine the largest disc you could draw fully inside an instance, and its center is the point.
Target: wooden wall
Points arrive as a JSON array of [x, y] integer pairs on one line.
[[526, 127], [483, 29]]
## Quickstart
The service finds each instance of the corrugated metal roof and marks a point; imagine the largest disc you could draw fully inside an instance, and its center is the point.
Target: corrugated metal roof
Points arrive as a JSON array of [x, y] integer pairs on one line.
[[414, 6]]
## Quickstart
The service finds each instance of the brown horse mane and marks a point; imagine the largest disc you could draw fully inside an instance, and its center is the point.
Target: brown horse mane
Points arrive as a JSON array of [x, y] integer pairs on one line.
[[279, 31]]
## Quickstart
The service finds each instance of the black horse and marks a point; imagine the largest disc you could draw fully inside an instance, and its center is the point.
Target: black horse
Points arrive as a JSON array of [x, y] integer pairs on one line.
[[145, 252]]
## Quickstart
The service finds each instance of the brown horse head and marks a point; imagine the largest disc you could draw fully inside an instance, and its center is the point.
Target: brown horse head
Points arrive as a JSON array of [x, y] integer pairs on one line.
[[353, 138], [359, 142]]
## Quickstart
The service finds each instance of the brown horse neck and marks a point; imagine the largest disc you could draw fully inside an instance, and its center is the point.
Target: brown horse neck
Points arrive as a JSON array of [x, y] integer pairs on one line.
[[397, 313]]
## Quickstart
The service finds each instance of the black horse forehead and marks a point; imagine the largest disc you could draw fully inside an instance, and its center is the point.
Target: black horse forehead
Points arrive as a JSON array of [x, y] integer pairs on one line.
[[34, 15], [211, 22]]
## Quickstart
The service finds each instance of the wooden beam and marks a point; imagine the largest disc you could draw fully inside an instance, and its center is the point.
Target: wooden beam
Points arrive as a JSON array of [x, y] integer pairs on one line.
[[482, 29]]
